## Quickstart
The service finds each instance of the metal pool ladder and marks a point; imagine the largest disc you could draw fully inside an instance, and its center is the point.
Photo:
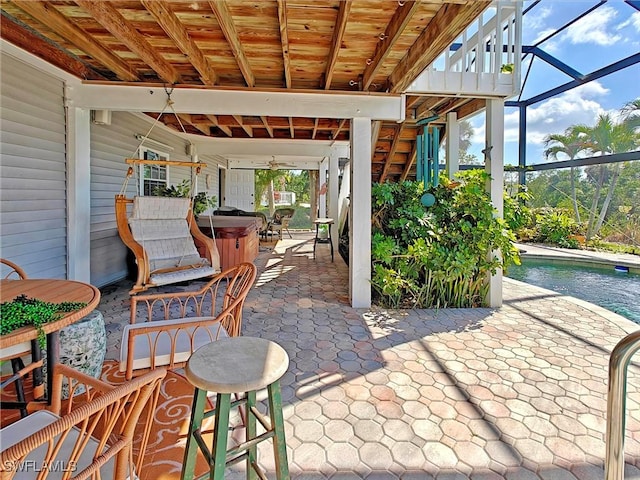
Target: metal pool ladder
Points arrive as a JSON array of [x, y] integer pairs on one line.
[[616, 404]]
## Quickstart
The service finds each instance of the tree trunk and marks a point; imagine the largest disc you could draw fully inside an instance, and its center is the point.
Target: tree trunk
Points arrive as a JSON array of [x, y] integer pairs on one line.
[[573, 195], [594, 203], [313, 194], [607, 200], [272, 202]]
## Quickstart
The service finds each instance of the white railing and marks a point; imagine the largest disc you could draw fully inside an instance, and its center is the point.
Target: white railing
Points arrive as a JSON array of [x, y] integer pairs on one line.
[[484, 61]]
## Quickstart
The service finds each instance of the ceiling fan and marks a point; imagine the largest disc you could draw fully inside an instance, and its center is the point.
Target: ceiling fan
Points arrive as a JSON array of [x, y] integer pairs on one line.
[[273, 165]]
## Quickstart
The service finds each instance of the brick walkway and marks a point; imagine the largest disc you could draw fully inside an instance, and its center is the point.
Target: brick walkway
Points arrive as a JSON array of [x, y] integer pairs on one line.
[[517, 392]]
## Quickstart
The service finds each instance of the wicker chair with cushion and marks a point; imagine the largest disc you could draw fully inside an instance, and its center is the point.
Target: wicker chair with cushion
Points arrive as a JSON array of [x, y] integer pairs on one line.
[[280, 221], [91, 437], [176, 324], [166, 241]]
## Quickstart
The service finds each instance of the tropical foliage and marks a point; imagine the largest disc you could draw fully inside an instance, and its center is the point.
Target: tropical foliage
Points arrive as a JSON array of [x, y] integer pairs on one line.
[[438, 256], [595, 198]]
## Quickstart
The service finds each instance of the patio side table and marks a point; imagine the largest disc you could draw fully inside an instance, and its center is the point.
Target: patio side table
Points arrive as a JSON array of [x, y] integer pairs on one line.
[[323, 221]]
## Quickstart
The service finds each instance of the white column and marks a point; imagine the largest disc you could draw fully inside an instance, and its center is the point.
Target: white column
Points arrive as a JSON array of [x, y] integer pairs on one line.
[[360, 214], [453, 144], [494, 165], [78, 194], [322, 199]]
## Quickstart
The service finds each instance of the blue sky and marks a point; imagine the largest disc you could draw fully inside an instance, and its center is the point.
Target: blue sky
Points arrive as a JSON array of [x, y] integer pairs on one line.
[[608, 34]]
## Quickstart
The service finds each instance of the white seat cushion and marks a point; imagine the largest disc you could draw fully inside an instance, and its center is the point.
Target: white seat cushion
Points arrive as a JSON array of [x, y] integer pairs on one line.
[[186, 340], [33, 463]]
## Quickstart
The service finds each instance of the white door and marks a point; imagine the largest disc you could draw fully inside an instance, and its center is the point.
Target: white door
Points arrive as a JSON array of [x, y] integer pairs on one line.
[[240, 189]]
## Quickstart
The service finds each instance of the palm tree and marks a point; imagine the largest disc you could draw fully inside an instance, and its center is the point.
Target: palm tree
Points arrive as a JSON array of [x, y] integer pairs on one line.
[[571, 143], [606, 137], [631, 113]]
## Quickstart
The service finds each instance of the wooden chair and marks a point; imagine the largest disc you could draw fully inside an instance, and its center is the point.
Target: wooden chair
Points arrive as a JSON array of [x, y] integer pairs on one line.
[[176, 324], [91, 437], [11, 271], [166, 241]]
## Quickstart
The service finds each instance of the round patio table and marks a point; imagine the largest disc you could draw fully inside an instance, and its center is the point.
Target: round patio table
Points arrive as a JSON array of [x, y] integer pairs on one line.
[[48, 290]]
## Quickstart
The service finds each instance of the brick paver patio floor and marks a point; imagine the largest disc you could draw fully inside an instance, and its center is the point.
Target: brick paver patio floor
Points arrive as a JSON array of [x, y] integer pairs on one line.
[[517, 392]]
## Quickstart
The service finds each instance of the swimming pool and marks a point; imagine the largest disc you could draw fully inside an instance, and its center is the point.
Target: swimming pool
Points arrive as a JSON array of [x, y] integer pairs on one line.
[[615, 291]]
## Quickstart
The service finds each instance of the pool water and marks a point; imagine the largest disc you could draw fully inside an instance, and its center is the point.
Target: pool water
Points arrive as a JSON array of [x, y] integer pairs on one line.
[[615, 291]]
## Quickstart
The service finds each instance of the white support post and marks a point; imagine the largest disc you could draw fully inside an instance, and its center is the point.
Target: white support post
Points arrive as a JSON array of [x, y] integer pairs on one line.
[[322, 178], [494, 165], [453, 144], [78, 194], [360, 214], [332, 194]]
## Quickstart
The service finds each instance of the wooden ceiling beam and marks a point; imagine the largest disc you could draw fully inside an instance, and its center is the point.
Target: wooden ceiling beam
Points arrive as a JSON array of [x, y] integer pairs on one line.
[[221, 11], [292, 130], [39, 47], [284, 40], [340, 127], [214, 120], [336, 42], [186, 118], [391, 154], [472, 106], [315, 129], [376, 128], [247, 129], [441, 31], [175, 29], [265, 121], [109, 17], [394, 30], [48, 15]]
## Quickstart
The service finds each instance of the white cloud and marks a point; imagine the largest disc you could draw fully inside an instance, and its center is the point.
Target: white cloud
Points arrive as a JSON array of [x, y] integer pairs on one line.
[[577, 106], [594, 28], [634, 21]]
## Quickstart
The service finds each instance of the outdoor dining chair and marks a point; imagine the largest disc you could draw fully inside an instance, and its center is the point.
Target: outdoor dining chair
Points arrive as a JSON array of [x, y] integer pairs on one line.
[[91, 437]]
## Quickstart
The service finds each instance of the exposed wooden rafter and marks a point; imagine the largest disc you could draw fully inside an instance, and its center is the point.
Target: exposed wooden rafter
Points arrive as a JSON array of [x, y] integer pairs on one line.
[[284, 40], [247, 129], [186, 118], [48, 15], [174, 28], [376, 127], [265, 122], [439, 34], [214, 120], [338, 33], [392, 33], [34, 44], [111, 19], [292, 130], [340, 127], [221, 11], [315, 129]]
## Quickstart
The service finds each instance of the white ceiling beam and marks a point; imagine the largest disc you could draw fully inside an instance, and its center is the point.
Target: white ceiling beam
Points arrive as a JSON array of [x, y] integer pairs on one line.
[[239, 102], [268, 146]]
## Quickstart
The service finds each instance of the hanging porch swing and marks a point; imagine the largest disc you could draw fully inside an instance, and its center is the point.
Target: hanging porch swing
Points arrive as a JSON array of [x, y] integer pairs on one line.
[[161, 232]]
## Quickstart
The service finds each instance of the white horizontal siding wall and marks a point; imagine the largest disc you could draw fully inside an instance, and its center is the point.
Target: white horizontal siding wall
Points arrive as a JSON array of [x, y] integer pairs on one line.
[[110, 146], [32, 170]]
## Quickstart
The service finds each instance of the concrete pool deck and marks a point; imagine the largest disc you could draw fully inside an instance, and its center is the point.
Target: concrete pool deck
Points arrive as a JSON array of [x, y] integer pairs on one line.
[[517, 392]]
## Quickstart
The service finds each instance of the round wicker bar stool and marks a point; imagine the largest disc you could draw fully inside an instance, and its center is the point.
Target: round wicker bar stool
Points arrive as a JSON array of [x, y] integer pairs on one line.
[[228, 366]]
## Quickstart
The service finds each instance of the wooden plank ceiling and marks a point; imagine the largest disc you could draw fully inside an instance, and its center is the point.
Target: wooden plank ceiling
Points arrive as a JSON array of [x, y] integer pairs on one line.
[[312, 45]]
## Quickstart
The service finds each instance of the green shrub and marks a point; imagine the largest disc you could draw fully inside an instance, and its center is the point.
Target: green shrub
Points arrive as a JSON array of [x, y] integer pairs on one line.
[[556, 226], [439, 256]]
